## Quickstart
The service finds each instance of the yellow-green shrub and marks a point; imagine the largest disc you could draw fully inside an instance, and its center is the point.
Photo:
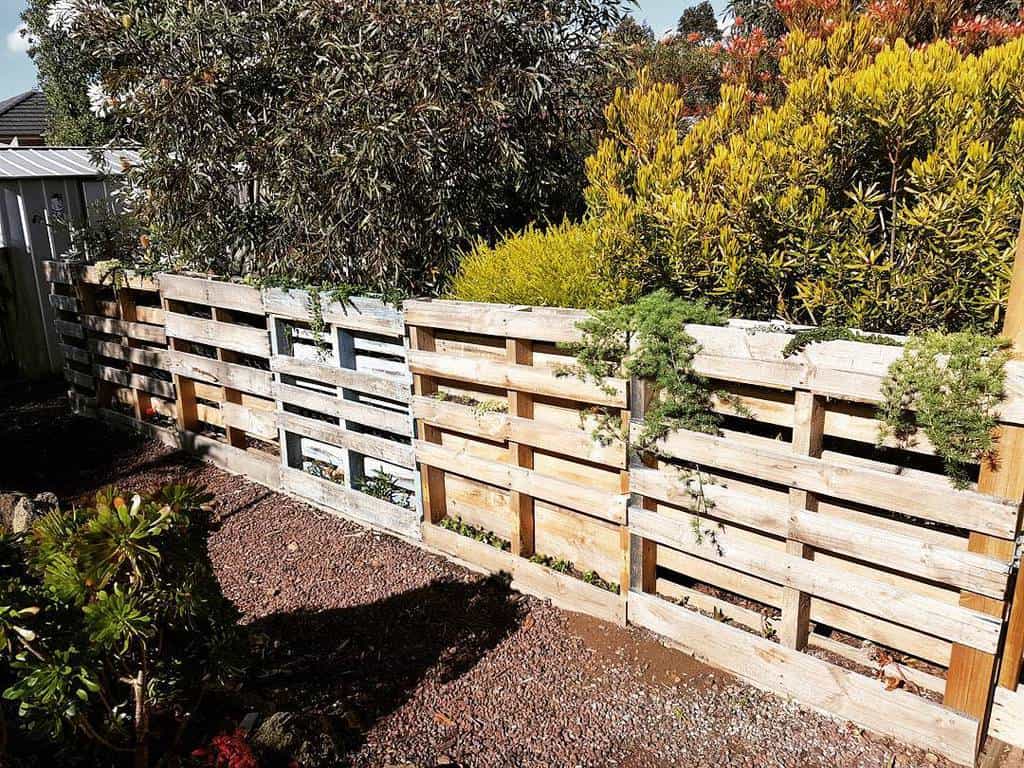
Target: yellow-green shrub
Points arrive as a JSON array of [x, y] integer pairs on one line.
[[884, 191], [553, 268]]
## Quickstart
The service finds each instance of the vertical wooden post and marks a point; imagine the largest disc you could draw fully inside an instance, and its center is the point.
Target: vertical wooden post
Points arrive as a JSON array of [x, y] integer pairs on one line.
[[187, 411], [643, 553], [435, 504], [973, 673], [625, 539], [808, 434], [86, 295], [520, 404], [141, 401], [236, 437]]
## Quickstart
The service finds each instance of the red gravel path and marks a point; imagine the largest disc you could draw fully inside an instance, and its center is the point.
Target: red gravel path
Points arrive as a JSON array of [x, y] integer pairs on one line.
[[414, 660]]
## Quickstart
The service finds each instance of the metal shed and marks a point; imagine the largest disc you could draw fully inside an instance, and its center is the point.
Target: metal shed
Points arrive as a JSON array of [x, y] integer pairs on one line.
[[40, 189]]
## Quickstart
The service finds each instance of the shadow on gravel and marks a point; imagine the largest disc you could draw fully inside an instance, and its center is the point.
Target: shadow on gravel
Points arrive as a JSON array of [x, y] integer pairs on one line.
[[348, 668]]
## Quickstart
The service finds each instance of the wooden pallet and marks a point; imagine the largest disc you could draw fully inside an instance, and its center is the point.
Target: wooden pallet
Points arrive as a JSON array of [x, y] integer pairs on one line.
[[505, 446], [111, 330], [814, 545], [342, 395], [220, 360]]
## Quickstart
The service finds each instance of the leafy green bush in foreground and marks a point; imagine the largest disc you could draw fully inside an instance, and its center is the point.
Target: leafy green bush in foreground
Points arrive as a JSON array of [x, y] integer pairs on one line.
[[113, 624]]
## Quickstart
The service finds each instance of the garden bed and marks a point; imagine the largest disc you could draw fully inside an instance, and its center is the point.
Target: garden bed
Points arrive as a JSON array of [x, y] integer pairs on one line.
[[406, 657]]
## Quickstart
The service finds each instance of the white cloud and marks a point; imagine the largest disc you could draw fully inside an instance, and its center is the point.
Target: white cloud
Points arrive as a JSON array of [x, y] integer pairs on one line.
[[16, 42]]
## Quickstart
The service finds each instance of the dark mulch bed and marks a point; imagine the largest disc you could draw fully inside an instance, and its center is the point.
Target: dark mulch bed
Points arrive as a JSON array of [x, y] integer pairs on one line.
[[405, 658]]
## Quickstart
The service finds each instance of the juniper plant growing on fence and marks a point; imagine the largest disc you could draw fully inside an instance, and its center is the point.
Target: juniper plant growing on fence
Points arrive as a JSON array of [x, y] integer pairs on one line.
[[949, 386], [648, 339], [115, 620]]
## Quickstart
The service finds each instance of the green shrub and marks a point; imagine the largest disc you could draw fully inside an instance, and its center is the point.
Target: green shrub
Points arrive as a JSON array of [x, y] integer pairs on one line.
[[954, 383], [550, 268], [359, 142], [884, 192], [113, 622]]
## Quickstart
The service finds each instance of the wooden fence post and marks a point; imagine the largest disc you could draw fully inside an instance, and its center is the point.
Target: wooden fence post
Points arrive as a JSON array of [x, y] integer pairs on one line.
[[808, 436], [435, 504], [520, 405], [973, 673]]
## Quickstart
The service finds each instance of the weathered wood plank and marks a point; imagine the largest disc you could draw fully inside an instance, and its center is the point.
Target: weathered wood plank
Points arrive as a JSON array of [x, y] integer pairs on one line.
[[876, 598], [164, 389], [359, 313], [238, 338], [1007, 722], [261, 424], [140, 331], [534, 579], [77, 354], [813, 682], [58, 272], [524, 378], [127, 278], [349, 410], [932, 499], [72, 330], [461, 418], [64, 303], [352, 504], [151, 358], [391, 388], [367, 445], [211, 293], [601, 504], [231, 375]]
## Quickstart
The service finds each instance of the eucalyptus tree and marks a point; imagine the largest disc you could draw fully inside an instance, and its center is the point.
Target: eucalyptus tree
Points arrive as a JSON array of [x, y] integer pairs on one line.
[[359, 141]]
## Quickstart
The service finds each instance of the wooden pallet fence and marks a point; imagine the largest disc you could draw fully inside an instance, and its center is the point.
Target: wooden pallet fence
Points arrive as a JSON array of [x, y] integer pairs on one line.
[[793, 551], [789, 548], [342, 390], [111, 330], [513, 478], [220, 359]]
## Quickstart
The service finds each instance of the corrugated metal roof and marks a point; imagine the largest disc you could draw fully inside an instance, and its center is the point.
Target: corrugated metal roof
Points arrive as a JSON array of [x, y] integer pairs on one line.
[[43, 162], [23, 115]]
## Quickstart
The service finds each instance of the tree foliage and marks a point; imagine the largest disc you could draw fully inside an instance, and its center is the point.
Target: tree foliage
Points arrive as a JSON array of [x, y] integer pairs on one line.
[[66, 73], [363, 141], [112, 619], [698, 23], [883, 192]]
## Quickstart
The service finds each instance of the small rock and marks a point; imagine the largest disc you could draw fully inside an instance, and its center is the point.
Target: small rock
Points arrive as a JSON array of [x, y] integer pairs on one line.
[[293, 547], [931, 757], [249, 722], [18, 512]]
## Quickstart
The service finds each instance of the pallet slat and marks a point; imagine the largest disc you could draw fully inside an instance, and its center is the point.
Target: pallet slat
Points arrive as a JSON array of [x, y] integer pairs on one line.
[[237, 338], [815, 683], [933, 499]]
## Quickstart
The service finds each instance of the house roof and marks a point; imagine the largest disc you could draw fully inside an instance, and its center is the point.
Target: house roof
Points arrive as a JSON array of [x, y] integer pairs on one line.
[[23, 115], [56, 162]]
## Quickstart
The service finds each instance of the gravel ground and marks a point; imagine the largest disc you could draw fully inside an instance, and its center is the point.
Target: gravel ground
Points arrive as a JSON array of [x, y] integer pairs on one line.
[[410, 659]]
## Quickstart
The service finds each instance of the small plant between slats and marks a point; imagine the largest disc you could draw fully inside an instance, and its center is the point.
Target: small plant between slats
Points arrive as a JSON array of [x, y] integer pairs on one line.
[[514, 480], [795, 551], [342, 389], [111, 331]]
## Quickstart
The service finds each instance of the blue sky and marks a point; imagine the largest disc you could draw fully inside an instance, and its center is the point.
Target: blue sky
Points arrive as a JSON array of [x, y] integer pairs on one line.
[[17, 73]]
